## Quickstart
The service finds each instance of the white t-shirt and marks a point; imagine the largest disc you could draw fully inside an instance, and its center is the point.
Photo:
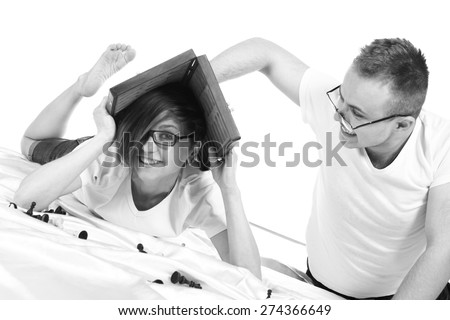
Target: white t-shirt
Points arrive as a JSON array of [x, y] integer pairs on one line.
[[366, 228], [195, 201]]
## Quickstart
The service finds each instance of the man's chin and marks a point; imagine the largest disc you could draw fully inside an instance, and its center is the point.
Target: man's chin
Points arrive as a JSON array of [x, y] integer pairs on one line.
[[349, 141], [350, 145]]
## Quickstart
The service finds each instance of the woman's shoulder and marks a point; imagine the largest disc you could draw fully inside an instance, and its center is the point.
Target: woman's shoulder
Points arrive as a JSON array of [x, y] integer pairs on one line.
[[106, 169], [194, 178]]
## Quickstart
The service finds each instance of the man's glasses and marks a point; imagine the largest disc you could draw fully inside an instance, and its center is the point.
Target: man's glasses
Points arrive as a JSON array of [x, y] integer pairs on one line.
[[335, 97], [164, 138]]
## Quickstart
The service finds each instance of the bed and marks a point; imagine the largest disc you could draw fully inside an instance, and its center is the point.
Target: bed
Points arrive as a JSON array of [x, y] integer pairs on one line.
[[79, 256]]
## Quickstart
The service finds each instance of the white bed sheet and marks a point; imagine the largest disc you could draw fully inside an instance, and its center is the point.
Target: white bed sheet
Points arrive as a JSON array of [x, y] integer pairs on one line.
[[48, 261]]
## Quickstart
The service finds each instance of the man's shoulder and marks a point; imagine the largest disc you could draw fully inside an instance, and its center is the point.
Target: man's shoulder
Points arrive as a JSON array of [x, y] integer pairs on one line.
[[434, 135], [317, 110], [434, 125], [315, 77]]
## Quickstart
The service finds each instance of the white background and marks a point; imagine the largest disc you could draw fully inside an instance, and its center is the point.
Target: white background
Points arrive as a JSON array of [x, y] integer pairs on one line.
[[48, 44]]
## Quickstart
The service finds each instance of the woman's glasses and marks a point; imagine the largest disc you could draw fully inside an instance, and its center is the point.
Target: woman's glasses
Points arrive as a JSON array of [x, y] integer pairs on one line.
[[164, 138]]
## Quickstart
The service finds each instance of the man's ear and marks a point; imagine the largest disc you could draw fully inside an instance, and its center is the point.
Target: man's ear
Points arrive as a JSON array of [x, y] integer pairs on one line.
[[405, 123]]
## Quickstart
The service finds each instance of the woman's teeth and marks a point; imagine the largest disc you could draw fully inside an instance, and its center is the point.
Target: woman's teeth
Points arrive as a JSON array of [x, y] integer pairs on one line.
[[150, 161]]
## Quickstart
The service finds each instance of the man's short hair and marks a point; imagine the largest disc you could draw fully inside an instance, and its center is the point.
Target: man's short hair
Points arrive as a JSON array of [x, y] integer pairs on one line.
[[402, 66]]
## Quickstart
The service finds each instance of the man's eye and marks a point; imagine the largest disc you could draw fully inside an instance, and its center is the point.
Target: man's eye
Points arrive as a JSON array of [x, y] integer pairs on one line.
[[356, 114]]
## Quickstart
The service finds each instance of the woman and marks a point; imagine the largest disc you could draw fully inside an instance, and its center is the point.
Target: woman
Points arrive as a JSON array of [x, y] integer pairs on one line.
[[144, 180]]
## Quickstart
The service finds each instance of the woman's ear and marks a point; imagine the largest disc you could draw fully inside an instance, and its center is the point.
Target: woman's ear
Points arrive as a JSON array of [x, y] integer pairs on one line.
[[192, 155], [194, 152], [195, 158]]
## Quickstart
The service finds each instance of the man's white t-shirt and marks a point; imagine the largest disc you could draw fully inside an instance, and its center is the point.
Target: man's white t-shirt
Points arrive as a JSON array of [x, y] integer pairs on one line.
[[366, 228], [195, 201]]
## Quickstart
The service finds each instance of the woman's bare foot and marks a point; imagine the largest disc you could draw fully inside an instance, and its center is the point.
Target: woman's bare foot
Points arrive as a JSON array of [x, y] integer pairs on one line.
[[111, 61]]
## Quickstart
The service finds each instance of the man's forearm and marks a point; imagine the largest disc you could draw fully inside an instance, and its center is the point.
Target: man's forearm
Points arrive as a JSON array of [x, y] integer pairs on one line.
[[281, 67], [427, 277], [245, 57]]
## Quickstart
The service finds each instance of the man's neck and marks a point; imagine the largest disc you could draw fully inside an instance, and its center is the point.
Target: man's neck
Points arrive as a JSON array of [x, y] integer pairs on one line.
[[383, 155]]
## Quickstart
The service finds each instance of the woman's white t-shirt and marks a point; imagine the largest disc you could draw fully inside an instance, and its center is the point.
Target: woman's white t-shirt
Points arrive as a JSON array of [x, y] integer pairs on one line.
[[195, 201]]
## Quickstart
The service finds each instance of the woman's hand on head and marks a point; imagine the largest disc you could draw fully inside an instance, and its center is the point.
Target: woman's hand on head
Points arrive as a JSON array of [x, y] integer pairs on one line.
[[224, 170], [104, 121]]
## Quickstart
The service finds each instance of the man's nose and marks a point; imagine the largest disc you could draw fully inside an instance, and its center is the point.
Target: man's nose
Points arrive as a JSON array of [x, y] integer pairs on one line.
[[337, 117]]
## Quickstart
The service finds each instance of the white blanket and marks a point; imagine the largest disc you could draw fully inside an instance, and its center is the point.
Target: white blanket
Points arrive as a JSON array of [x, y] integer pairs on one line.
[[41, 260]]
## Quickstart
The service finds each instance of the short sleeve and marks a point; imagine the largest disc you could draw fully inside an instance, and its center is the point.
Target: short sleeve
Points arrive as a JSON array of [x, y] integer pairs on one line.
[[442, 175], [100, 178], [441, 161], [208, 212], [317, 109], [93, 170]]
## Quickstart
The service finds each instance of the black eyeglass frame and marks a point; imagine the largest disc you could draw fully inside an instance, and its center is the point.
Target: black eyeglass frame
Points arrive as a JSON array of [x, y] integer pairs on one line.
[[176, 138], [364, 124]]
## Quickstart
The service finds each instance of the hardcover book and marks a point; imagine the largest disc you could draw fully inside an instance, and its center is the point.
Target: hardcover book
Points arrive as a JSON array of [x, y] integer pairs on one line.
[[195, 73]]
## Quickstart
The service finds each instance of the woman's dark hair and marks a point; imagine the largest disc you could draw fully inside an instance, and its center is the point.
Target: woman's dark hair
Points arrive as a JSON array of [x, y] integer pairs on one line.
[[173, 101]]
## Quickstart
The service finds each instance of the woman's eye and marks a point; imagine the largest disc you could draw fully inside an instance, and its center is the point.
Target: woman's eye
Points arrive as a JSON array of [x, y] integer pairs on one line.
[[166, 136]]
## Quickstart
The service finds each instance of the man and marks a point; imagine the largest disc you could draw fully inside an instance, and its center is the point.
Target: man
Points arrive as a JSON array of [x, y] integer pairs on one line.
[[380, 224]]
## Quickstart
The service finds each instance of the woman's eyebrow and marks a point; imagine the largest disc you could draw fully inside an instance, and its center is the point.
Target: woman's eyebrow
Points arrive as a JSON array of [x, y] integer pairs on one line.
[[169, 126], [350, 105]]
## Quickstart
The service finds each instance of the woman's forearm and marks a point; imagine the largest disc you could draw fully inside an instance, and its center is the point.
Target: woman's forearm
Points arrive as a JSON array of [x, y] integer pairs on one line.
[[51, 180], [243, 250]]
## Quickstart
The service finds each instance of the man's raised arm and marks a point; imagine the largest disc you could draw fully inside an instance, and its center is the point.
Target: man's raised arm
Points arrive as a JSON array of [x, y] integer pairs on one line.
[[282, 68]]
